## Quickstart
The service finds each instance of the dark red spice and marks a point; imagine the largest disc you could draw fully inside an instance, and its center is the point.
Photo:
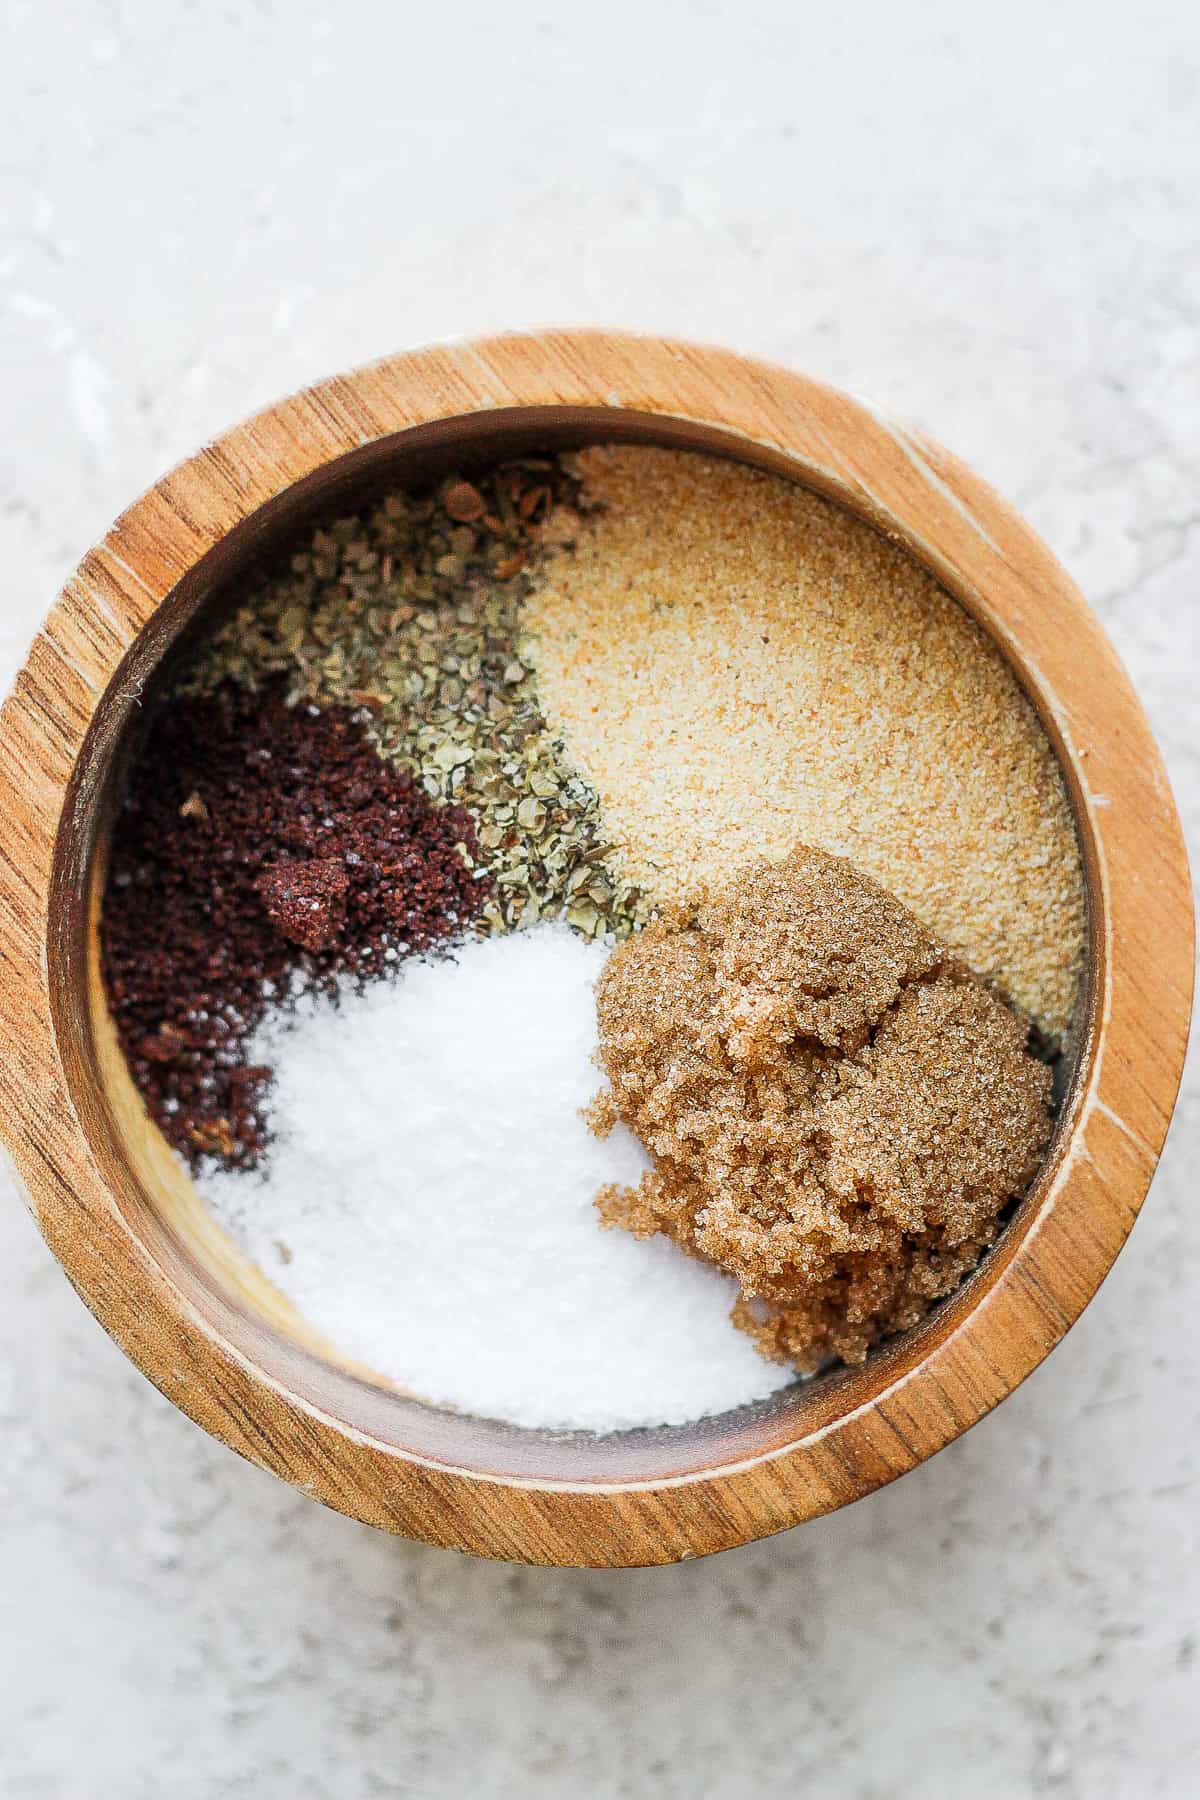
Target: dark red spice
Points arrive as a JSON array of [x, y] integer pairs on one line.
[[306, 901], [255, 841]]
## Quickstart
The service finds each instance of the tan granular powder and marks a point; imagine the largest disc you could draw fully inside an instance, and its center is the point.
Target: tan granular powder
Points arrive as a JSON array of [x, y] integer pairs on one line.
[[737, 665], [837, 1111]]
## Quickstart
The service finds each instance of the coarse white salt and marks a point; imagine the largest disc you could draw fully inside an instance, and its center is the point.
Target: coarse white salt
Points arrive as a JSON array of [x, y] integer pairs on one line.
[[428, 1201]]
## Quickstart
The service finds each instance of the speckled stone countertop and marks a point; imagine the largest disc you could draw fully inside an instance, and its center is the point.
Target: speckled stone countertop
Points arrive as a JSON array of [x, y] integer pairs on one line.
[[984, 218]]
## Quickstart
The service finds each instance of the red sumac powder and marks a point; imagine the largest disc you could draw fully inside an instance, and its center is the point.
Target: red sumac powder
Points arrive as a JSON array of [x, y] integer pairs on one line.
[[257, 840]]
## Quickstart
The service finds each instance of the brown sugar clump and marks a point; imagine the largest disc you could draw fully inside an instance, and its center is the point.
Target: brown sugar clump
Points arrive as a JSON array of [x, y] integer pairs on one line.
[[837, 1110]]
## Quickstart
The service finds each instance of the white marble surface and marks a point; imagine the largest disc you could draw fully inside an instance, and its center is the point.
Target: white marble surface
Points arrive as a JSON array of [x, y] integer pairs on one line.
[[986, 218]]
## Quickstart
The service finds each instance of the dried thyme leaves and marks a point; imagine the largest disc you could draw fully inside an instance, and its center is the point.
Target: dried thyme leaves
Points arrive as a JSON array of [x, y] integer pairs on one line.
[[411, 613]]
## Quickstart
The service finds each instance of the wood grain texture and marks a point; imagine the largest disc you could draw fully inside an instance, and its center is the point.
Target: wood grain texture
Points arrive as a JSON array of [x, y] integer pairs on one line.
[[212, 1339]]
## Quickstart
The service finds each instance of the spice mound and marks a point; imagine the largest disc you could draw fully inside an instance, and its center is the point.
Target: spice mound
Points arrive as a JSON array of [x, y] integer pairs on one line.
[[427, 1203], [736, 666], [837, 1110], [260, 845], [425, 772]]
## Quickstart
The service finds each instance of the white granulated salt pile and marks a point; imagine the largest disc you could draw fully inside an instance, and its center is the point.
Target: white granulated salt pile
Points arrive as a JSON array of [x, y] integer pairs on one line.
[[429, 1207]]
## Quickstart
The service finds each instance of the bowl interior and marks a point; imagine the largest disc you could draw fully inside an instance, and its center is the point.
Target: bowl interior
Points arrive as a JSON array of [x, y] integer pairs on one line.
[[214, 1284]]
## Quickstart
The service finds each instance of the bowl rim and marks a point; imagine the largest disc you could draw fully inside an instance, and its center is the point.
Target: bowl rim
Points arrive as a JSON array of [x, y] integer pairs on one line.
[[73, 700]]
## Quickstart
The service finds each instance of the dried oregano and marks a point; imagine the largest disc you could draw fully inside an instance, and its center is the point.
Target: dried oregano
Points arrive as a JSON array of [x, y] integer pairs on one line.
[[411, 613]]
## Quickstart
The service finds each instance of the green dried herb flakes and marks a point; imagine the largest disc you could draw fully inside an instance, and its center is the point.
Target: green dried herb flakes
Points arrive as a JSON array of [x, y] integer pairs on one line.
[[411, 612]]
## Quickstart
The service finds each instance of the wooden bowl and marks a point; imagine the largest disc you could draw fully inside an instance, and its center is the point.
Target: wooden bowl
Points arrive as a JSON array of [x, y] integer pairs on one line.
[[127, 1226]]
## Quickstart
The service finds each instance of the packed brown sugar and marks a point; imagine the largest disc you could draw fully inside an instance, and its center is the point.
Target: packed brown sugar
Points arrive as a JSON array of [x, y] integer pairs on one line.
[[737, 666], [837, 1109]]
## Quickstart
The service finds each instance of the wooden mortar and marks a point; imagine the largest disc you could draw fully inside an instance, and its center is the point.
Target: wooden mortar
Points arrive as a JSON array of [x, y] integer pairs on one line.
[[126, 1223]]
